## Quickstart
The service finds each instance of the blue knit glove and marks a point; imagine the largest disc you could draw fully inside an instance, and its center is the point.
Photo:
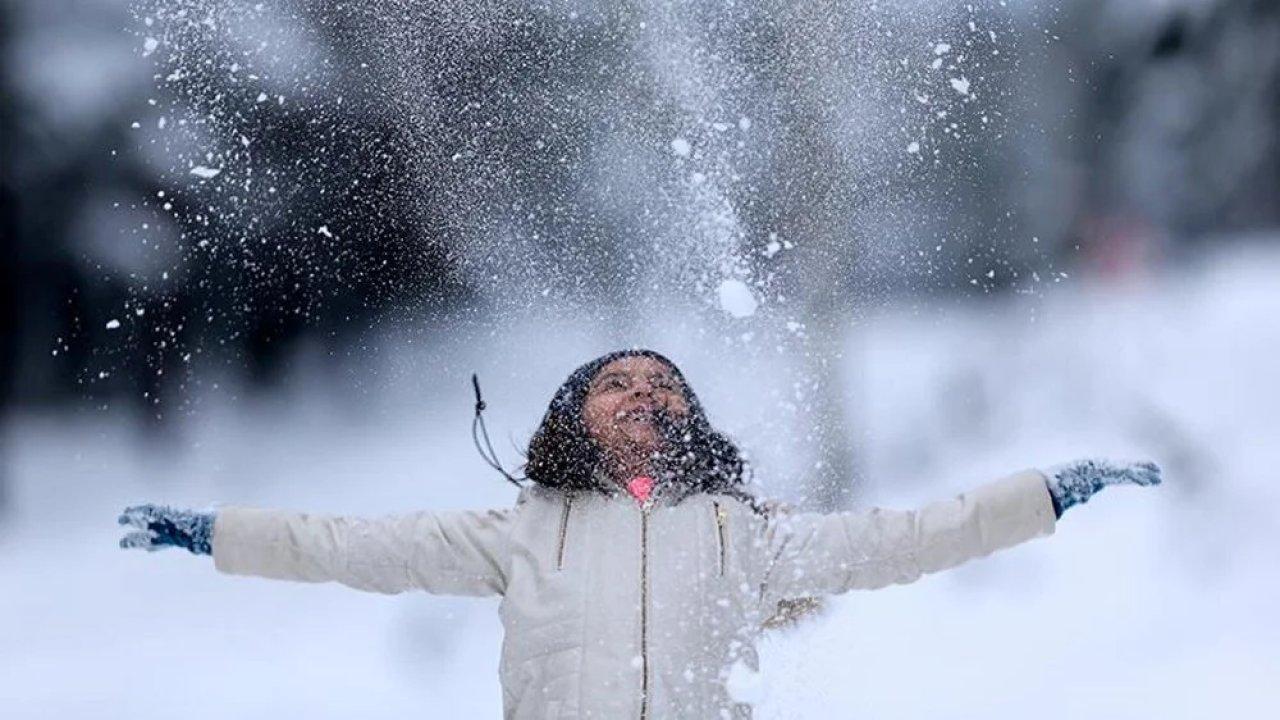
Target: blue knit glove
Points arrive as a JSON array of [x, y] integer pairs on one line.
[[1075, 482], [160, 526]]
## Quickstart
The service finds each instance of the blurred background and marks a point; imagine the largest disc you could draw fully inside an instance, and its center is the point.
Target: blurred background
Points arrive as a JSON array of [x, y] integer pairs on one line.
[[253, 252]]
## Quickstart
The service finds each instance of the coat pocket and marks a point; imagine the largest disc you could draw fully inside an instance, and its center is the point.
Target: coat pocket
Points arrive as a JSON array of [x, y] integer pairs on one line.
[[564, 531], [722, 535]]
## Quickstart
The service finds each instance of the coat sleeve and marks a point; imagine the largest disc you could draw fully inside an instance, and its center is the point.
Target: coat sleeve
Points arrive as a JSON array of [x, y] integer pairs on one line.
[[816, 553], [454, 553]]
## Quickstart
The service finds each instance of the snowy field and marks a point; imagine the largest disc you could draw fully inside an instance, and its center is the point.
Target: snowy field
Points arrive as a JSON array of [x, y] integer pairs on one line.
[[1157, 603]]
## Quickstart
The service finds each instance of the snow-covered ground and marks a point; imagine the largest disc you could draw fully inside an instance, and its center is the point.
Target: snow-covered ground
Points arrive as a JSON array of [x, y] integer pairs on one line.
[[1146, 603]]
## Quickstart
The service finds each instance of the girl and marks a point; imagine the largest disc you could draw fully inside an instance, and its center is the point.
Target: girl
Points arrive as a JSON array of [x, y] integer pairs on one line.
[[636, 569]]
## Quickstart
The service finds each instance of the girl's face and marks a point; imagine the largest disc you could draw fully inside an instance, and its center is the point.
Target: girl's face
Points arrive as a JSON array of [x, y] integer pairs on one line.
[[622, 399]]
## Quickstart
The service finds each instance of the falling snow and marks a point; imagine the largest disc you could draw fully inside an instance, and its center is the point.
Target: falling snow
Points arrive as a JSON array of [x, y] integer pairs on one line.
[[736, 298]]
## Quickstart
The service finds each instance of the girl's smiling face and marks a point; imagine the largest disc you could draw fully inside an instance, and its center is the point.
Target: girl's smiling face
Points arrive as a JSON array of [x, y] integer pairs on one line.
[[621, 406]]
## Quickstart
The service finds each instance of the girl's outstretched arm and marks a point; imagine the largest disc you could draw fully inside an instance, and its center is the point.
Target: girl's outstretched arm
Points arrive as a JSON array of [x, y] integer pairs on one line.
[[454, 552], [817, 553]]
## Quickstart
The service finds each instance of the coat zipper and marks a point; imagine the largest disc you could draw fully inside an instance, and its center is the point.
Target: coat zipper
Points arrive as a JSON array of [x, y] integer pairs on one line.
[[564, 530], [644, 611], [722, 523]]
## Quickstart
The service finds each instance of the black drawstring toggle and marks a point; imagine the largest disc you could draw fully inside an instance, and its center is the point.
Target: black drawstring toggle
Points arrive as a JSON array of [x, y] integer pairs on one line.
[[478, 430], [475, 383]]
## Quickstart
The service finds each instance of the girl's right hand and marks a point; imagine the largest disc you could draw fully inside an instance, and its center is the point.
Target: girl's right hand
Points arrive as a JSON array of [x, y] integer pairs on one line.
[[161, 526]]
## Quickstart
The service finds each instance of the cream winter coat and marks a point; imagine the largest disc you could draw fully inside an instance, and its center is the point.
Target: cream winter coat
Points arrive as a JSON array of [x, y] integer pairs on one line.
[[613, 610]]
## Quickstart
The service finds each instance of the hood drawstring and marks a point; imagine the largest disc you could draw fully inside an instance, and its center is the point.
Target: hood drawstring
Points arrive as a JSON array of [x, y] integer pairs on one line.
[[491, 456]]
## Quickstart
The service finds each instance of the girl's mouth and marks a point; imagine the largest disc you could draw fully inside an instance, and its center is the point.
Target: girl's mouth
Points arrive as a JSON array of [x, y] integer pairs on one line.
[[637, 414]]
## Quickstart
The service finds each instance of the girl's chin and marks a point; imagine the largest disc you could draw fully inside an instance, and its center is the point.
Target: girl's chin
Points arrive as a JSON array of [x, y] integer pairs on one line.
[[647, 440]]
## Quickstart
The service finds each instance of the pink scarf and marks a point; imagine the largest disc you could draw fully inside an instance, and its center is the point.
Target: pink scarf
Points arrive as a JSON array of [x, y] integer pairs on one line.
[[640, 488]]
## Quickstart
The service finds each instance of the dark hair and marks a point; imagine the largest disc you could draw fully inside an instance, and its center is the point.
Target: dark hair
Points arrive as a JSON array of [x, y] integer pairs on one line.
[[698, 458]]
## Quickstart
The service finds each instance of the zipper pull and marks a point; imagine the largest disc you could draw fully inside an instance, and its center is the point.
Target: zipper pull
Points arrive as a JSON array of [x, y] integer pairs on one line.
[[722, 522]]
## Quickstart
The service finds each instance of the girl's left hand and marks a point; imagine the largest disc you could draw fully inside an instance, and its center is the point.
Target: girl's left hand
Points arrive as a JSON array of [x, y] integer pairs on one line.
[[1075, 482]]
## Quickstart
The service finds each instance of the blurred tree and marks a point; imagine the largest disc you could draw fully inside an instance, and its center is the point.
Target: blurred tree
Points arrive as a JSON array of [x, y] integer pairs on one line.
[[1173, 124], [11, 268], [435, 156]]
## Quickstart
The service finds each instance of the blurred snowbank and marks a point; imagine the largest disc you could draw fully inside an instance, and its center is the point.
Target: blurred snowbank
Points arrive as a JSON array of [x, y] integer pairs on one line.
[[1145, 604]]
